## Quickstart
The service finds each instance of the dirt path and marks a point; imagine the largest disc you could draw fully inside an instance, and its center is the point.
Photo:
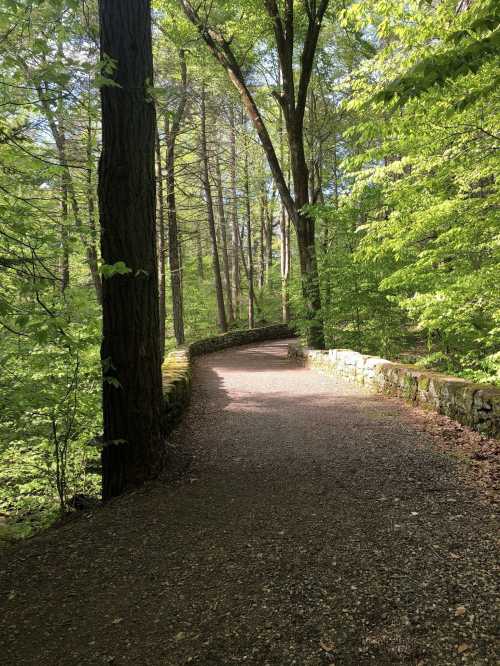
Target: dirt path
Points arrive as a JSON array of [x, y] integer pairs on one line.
[[317, 526]]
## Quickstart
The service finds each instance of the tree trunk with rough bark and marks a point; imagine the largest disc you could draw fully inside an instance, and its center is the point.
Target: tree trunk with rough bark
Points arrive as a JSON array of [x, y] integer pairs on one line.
[[133, 450]]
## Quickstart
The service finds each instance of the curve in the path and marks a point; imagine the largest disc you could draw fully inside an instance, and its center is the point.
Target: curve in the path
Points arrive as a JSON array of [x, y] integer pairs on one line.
[[317, 526]]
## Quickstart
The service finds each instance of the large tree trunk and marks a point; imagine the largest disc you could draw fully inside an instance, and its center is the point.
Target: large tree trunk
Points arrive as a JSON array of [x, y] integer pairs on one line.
[[132, 386], [219, 293]]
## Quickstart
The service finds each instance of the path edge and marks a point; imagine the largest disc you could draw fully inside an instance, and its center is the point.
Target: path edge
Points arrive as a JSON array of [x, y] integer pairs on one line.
[[177, 367], [474, 405]]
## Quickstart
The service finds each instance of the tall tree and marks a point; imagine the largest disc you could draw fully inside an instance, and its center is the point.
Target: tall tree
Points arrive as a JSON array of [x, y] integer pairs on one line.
[[251, 313], [132, 387], [162, 282], [223, 231], [221, 311], [292, 100], [171, 133], [235, 230]]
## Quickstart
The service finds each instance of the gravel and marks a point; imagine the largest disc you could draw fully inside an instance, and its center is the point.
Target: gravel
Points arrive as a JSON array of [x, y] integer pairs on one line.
[[317, 524]]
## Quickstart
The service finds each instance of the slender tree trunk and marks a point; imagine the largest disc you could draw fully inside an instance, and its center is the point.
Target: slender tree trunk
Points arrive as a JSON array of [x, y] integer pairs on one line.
[[221, 312], [251, 312], [64, 259], [236, 277], [173, 241], [223, 230], [162, 309], [268, 236], [269, 266], [59, 136], [91, 244], [130, 353], [285, 265], [200, 270], [262, 247], [285, 240], [174, 248]]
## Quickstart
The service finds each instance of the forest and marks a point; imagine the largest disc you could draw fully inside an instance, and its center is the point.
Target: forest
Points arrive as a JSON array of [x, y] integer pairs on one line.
[[329, 164]]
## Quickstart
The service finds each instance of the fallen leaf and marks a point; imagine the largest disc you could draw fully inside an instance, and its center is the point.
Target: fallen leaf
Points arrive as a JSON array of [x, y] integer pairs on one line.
[[117, 620], [180, 636], [327, 647], [460, 610], [462, 648]]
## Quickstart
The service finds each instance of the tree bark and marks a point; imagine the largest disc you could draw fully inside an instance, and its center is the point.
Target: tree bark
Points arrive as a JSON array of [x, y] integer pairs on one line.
[[133, 449], [219, 293]]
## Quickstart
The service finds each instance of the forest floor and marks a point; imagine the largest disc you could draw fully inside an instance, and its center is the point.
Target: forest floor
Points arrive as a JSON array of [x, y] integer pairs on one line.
[[318, 524]]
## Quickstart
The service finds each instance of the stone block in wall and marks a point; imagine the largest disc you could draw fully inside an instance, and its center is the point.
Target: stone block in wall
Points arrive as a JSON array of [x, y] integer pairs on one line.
[[486, 410]]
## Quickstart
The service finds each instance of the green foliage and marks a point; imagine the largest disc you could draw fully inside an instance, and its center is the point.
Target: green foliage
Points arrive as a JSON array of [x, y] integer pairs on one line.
[[434, 233]]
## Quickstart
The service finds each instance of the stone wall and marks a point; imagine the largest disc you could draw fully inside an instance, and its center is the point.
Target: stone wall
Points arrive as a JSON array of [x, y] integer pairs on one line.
[[177, 366], [176, 373], [240, 337], [474, 405]]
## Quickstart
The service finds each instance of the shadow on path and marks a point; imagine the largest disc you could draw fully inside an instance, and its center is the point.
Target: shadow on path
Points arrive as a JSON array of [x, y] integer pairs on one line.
[[317, 526]]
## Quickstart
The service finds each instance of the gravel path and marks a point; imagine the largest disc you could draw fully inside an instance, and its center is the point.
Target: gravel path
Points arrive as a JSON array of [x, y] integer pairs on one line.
[[317, 525]]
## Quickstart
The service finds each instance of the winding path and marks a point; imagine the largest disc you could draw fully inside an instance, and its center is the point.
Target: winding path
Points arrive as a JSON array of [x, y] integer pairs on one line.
[[317, 525]]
